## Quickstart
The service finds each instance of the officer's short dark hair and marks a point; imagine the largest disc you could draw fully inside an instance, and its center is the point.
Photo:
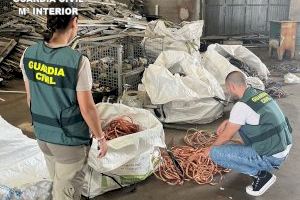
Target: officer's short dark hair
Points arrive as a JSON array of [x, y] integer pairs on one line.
[[236, 77]]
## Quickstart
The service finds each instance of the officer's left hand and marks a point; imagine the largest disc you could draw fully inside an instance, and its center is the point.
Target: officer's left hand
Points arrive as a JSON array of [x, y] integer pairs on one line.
[[102, 144]]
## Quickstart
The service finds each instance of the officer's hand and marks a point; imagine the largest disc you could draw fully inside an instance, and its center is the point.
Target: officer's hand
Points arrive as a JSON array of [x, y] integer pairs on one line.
[[221, 128], [207, 151], [102, 148]]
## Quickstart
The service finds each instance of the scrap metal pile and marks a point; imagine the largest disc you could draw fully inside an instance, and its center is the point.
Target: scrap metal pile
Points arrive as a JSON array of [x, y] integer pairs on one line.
[[193, 164], [108, 18], [253, 68], [273, 88], [137, 5], [6, 46], [287, 67], [24, 31], [100, 20], [243, 66]]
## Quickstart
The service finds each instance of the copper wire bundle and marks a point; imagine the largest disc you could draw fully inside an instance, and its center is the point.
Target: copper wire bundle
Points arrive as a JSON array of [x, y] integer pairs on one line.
[[199, 138], [195, 164], [167, 172], [120, 127]]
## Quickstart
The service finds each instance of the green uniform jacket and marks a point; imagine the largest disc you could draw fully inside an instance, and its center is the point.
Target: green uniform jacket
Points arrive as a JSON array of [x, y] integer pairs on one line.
[[53, 75], [273, 133]]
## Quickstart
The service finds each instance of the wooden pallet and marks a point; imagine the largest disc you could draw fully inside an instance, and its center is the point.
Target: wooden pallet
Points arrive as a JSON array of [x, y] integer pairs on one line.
[[6, 46]]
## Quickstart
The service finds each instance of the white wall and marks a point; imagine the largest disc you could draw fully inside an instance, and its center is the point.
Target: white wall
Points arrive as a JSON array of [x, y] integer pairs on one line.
[[169, 9], [295, 10]]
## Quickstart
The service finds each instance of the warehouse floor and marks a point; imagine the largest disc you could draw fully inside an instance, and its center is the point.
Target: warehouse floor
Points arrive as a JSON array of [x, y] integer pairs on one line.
[[15, 111]]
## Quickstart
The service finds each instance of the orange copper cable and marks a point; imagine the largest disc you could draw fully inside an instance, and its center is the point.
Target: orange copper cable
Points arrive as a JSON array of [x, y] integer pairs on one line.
[[119, 127], [199, 138], [193, 161]]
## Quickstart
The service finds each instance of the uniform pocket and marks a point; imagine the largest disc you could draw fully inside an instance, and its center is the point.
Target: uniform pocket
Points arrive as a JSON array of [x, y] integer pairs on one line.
[[73, 124]]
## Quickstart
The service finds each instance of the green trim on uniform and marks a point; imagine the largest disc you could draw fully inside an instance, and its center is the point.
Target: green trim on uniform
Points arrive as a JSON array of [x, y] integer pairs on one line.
[[53, 75]]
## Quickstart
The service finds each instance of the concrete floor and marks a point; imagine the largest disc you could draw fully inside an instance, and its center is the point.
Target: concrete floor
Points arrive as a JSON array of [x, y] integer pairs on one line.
[[15, 111]]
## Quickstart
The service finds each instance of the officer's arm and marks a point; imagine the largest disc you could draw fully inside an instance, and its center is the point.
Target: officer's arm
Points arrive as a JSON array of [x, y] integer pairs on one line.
[[89, 112], [25, 80], [27, 91], [230, 130], [222, 126]]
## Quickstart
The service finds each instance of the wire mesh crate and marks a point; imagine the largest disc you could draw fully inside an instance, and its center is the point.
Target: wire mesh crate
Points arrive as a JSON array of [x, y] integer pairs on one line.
[[132, 47], [153, 47], [117, 64]]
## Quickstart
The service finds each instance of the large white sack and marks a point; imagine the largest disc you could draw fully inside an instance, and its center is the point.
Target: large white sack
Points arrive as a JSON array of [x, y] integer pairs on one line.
[[23, 171], [164, 84], [160, 82], [97, 183], [217, 65], [22, 162], [160, 38], [255, 82], [36, 191], [245, 55], [202, 111], [187, 94], [130, 158], [128, 148]]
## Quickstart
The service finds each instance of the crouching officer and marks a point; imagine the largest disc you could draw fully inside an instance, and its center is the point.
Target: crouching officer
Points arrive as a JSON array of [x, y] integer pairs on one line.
[[264, 130]]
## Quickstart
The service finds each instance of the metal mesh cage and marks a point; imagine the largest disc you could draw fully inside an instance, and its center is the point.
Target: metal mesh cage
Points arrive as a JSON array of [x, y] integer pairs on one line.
[[152, 48], [108, 62], [132, 47]]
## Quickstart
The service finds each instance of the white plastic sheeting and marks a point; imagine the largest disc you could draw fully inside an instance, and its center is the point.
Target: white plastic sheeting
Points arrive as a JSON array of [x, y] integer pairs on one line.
[[178, 81], [290, 78], [158, 37]]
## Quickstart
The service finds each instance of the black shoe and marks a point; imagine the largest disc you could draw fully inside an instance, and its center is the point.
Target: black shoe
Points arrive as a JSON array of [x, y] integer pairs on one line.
[[262, 182], [250, 187]]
